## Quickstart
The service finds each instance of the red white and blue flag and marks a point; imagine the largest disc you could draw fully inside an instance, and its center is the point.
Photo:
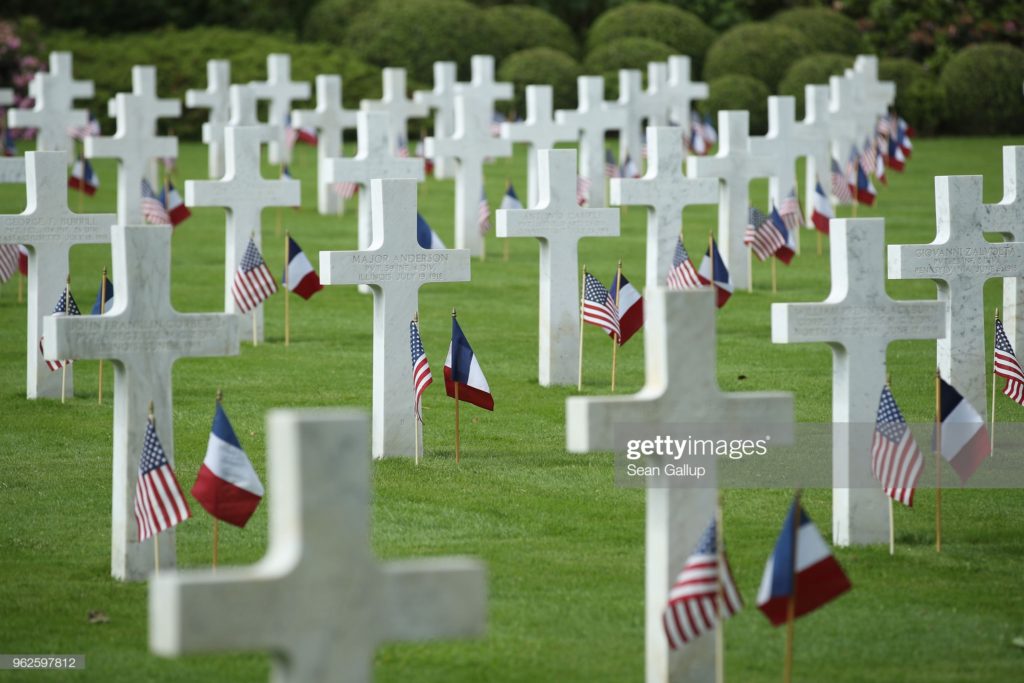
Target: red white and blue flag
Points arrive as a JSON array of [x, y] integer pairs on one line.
[[763, 235], [461, 366], [421, 377], [629, 305], [896, 159], [841, 189], [510, 200], [174, 204], [582, 190], [66, 305], [682, 274], [822, 211], [83, 178], [104, 295], [1005, 365], [629, 168], [8, 261], [965, 440], [299, 275], [865, 188], [896, 460], [153, 209], [227, 485], [425, 235], [713, 268], [484, 214], [159, 501], [611, 169], [792, 215], [253, 282], [597, 307], [801, 569], [703, 594]]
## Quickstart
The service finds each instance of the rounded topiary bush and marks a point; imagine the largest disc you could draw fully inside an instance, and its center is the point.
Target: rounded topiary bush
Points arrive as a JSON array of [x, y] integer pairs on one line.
[[762, 50], [736, 91], [683, 32], [416, 33], [923, 104], [541, 66], [813, 69], [982, 85], [520, 27], [626, 53], [328, 19], [825, 30]]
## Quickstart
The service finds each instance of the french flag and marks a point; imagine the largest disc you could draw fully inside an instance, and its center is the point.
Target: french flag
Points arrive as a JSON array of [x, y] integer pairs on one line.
[[174, 204], [786, 252], [821, 211], [227, 485], [897, 160], [306, 135], [300, 276], [865, 189], [630, 306], [104, 295], [723, 281], [83, 178], [965, 441], [425, 235], [815, 580], [462, 367]]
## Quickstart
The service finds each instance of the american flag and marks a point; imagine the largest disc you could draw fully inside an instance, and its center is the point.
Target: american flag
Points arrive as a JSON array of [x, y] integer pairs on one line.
[[693, 601], [159, 502], [582, 190], [868, 157], [346, 189], [682, 274], [403, 149], [611, 169], [1005, 365], [790, 211], [484, 218], [8, 261], [840, 187], [762, 235], [598, 306], [66, 305], [896, 459], [253, 282], [421, 377], [92, 127], [153, 210]]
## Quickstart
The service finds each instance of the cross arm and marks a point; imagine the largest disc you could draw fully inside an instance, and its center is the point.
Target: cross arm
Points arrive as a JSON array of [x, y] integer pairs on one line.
[[434, 598], [373, 268], [110, 336], [337, 169]]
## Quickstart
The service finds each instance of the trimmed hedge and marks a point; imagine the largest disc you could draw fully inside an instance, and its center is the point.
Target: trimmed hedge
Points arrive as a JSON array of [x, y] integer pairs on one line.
[[825, 30], [982, 86], [541, 66], [416, 33], [763, 50], [919, 98], [683, 32], [626, 53], [328, 19], [520, 27], [739, 92], [813, 69], [181, 56]]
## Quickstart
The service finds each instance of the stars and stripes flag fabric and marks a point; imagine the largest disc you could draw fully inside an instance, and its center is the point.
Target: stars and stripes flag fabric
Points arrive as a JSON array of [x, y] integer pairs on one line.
[[159, 501], [611, 168], [83, 177], [896, 459], [510, 200], [403, 149], [299, 276], [965, 441], [104, 295], [582, 190], [66, 305], [703, 594], [345, 189], [709, 132], [822, 211], [762, 234], [253, 282], [227, 486], [8, 261], [421, 377], [597, 307], [425, 235], [629, 306], [682, 274], [792, 215], [462, 367], [713, 268], [787, 251], [174, 204], [484, 216], [1005, 365], [840, 188], [153, 210], [868, 156], [801, 567], [91, 127]]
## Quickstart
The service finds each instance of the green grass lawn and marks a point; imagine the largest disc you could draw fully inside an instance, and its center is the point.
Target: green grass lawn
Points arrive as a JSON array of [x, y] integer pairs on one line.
[[564, 546]]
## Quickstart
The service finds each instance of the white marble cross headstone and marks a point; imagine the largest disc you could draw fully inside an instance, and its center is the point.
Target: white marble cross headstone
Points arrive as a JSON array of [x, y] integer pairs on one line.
[[281, 91], [960, 261], [135, 142], [666, 191], [442, 100], [1007, 219], [486, 91], [319, 600], [374, 158], [659, 99], [244, 193], [49, 229], [631, 102], [394, 266], [735, 165], [845, 114], [876, 96], [470, 145], [539, 131], [559, 224], [144, 336], [812, 134], [12, 169], [215, 98], [682, 91], [682, 387], [593, 118], [243, 108], [399, 108], [53, 113], [859, 321], [331, 120]]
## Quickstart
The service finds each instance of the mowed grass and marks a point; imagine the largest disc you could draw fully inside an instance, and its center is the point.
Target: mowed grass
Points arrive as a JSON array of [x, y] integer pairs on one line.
[[563, 545]]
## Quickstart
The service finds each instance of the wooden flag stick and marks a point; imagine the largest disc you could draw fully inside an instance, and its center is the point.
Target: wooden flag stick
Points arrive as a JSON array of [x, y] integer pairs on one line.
[[287, 310], [583, 286], [504, 256], [818, 233], [775, 283], [750, 271], [720, 602], [992, 422], [457, 440], [103, 306], [615, 336], [64, 363], [21, 285], [787, 667], [938, 462]]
